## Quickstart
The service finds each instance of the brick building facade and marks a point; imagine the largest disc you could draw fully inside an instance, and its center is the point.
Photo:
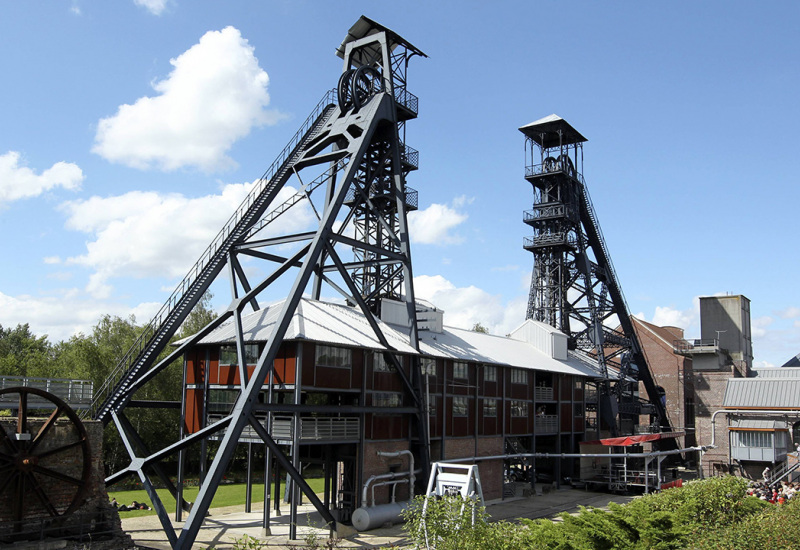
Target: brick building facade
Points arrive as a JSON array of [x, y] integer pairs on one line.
[[483, 393]]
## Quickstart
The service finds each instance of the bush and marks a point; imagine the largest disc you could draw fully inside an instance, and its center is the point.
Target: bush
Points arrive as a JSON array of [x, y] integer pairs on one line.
[[773, 527], [712, 514]]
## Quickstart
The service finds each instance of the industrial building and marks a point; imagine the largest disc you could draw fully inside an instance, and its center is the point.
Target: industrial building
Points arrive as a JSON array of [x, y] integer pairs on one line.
[[745, 417], [486, 394]]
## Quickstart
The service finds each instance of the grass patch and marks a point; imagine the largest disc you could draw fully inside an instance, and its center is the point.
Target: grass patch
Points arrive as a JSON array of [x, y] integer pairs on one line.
[[227, 495]]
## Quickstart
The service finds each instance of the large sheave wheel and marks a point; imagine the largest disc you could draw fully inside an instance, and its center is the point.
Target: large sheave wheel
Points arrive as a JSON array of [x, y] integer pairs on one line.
[[44, 462]]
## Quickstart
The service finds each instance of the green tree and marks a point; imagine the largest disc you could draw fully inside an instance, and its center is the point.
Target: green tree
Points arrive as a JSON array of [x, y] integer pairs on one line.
[[477, 327], [200, 316], [22, 353]]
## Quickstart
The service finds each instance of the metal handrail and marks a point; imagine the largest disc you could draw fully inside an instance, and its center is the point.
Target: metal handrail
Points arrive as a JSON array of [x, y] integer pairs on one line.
[[74, 392], [406, 99], [689, 345]]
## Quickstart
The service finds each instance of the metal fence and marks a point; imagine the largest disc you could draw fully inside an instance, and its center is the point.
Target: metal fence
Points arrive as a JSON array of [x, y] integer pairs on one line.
[[76, 393]]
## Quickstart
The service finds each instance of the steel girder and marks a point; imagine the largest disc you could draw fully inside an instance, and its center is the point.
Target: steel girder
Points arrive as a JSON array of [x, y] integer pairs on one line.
[[352, 148]]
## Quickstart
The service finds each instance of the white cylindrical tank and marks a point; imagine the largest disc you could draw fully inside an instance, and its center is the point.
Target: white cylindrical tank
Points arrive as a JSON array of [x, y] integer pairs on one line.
[[373, 517]]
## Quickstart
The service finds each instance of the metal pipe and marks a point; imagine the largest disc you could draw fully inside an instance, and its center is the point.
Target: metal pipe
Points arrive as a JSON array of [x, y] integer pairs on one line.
[[411, 477], [380, 477], [387, 482]]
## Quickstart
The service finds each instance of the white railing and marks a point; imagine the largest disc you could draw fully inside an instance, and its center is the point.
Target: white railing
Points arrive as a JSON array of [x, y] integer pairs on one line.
[[317, 428], [76, 393], [543, 393], [546, 424]]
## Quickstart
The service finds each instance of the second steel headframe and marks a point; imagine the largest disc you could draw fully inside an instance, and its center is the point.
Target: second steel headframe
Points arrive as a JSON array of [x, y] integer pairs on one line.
[[574, 286], [350, 151]]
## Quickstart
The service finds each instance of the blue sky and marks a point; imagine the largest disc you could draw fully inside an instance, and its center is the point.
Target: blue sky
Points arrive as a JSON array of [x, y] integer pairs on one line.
[[117, 165]]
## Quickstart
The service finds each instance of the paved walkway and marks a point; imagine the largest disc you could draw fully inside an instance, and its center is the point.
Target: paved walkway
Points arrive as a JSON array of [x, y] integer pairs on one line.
[[224, 525]]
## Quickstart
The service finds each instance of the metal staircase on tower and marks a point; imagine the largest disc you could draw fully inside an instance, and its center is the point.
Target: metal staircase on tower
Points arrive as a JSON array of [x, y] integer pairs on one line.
[[574, 286], [346, 167]]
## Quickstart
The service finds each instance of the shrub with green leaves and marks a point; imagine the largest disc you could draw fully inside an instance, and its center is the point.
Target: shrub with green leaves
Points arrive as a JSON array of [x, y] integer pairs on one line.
[[710, 509]]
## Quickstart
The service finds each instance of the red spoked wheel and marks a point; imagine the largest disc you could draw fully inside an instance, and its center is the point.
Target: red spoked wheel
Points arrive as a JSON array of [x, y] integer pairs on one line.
[[44, 461]]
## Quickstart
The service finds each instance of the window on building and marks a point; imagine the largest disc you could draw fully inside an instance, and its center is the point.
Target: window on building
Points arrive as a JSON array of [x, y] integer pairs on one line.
[[459, 406], [221, 401], [460, 370], [380, 364], [489, 407], [227, 354], [330, 356], [387, 399], [489, 373], [519, 408], [578, 409], [428, 366], [753, 439], [519, 376]]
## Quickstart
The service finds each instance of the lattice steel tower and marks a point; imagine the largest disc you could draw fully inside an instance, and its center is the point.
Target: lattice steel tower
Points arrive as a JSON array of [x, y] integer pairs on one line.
[[574, 287], [346, 166]]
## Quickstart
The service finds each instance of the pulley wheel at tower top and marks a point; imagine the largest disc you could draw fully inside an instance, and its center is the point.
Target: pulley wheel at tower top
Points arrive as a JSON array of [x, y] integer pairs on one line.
[[356, 86], [44, 458]]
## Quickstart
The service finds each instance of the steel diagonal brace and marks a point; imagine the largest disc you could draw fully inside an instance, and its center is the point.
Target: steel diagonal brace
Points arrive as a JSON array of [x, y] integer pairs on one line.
[[369, 118], [237, 267], [131, 432], [137, 465], [296, 476], [373, 323], [175, 447]]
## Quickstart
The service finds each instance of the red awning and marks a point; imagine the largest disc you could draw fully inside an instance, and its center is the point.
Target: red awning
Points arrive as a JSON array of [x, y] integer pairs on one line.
[[629, 440]]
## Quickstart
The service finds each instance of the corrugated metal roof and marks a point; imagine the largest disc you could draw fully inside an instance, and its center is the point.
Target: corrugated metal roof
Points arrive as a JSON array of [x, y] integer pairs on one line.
[[317, 321], [346, 326], [776, 372], [762, 393], [757, 424], [467, 345]]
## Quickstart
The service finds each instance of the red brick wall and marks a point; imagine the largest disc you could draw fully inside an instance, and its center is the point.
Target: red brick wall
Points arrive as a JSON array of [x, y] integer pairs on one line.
[[709, 390], [95, 513], [674, 374], [377, 465]]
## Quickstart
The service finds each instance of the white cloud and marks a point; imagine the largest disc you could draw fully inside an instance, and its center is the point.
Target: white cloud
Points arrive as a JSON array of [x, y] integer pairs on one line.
[[465, 306], [59, 316], [215, 94], [758, 326], [20, 182], [671, 317], [156, 7], [149, 234], [434, 224], [51, 260], [789, 313]]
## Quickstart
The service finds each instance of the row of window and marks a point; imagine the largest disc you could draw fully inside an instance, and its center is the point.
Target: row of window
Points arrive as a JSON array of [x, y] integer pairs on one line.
[[519, 408], [760, 439], [331, 356], [337, 357]]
